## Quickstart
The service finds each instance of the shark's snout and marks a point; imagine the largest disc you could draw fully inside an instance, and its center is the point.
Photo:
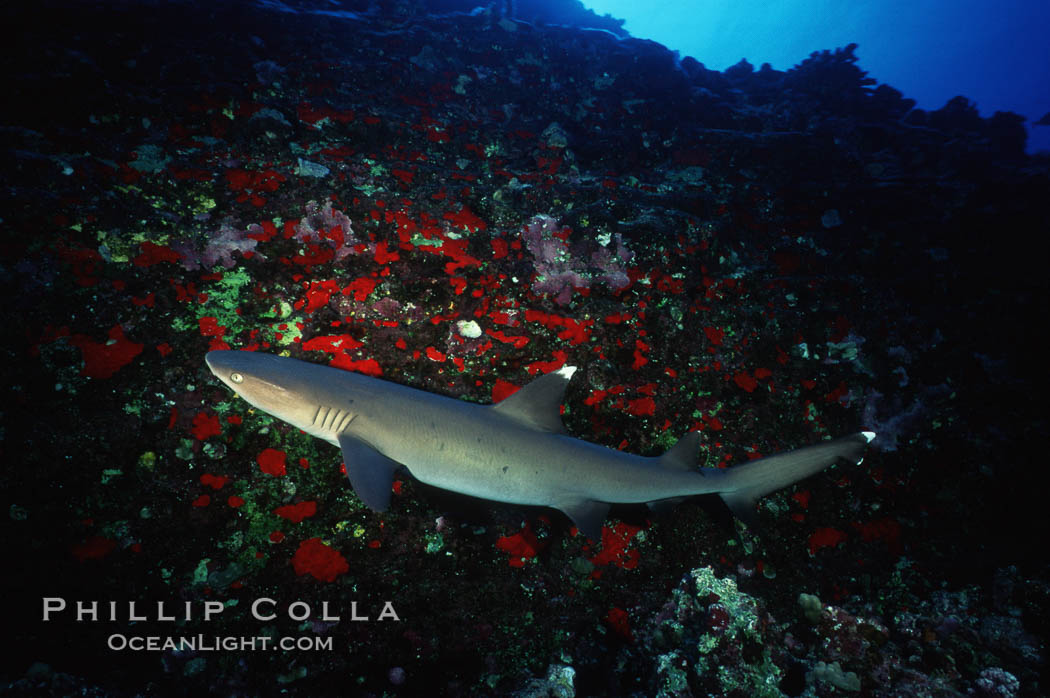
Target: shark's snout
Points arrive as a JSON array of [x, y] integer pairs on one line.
[[215, 360], [222, 363]]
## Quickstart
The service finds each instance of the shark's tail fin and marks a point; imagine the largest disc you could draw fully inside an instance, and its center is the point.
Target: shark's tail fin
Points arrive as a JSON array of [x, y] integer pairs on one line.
[[744, 484]]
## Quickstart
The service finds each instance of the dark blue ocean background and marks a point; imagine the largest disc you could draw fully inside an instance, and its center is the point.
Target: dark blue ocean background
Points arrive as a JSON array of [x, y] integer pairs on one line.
[[994, 53]]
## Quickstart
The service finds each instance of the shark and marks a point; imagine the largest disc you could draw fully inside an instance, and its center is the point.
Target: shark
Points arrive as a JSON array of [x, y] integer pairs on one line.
[[515, 451]]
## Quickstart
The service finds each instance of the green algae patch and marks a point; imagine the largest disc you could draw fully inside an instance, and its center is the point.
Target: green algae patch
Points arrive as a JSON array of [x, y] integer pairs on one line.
[[224, 298]]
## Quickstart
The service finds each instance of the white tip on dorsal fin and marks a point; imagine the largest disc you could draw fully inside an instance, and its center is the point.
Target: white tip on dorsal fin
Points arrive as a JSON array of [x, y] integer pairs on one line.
[[538, 404], [566, 372]]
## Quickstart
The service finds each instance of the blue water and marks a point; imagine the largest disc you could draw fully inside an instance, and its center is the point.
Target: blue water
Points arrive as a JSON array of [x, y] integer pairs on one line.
[[994, 52]]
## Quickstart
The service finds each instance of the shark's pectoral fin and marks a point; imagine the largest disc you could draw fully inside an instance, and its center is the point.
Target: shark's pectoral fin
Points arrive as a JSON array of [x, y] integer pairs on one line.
[[370, 472], [587, 514]]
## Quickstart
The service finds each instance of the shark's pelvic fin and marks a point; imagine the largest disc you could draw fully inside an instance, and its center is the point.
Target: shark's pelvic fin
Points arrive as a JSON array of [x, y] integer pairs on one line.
[[587, 514], [370, 472], [538, 404]]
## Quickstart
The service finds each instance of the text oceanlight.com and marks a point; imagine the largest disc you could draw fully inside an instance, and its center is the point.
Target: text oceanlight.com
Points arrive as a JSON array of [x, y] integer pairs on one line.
[[215, 643]]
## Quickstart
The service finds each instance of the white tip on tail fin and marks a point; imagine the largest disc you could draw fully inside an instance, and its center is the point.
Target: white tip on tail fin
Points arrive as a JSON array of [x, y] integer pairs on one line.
[[745, 484]]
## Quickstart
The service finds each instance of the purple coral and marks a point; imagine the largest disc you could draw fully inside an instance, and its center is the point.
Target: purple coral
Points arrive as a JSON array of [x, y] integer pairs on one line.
[[901, 420], [558, 272], [220, 248], [326, 225], [559, 284], [614, 275], [553, 261], [540, 240]]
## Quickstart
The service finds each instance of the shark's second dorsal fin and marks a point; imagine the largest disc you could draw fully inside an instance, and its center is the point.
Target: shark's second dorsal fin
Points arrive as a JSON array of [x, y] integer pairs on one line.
[[682, 456], [538, 404]]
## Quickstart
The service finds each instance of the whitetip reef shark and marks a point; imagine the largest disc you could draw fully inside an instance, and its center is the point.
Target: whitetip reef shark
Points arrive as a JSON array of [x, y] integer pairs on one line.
[[514, 451]]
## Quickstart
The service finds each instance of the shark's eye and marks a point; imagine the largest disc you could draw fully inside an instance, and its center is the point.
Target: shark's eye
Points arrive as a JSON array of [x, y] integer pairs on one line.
[[236, 378]]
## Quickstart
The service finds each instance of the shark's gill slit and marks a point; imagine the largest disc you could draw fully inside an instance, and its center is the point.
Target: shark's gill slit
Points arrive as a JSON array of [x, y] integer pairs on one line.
[[322, 415]]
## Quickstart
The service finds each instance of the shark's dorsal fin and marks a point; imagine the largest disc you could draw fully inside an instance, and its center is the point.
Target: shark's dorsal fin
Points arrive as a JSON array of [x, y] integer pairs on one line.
[[538, 404], [370, 472]]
